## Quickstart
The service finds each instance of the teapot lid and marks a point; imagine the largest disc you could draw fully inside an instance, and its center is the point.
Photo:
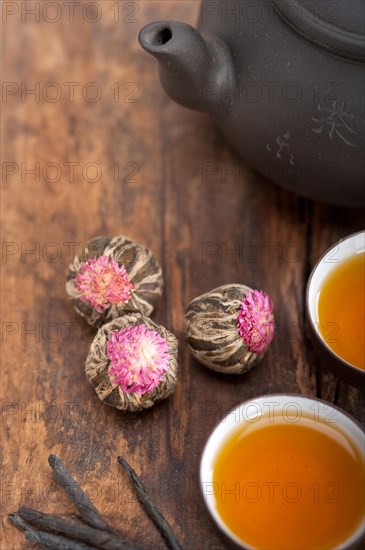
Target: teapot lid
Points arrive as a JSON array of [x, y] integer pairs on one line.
[[336, 25]]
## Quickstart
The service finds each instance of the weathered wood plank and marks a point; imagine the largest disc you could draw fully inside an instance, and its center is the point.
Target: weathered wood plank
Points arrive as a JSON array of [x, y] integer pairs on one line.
[[175, 193]]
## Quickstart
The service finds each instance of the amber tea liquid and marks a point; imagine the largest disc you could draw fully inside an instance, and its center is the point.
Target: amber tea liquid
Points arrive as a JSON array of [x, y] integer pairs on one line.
[[295, 486], [341, 310]]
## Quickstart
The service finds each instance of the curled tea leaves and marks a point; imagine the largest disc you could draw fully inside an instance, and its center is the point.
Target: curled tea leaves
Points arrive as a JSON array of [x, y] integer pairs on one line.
[[112, 276], [229, 328], [132, 363]]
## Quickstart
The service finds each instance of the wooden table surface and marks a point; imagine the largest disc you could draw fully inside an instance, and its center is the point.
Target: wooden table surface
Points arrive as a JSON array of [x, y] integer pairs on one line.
[[113, 155]]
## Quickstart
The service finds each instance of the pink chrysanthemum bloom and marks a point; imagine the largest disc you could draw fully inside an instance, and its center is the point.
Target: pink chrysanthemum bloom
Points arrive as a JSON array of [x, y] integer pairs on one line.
[[139, 358], [102, 282], [255, 322]]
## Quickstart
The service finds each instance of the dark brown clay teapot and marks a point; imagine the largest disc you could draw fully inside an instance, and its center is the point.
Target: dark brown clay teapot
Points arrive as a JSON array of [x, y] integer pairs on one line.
[[285, 81]]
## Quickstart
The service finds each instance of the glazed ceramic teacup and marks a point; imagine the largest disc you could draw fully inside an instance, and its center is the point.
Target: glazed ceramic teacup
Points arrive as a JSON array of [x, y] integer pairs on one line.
[[286, 472], [326, 341]]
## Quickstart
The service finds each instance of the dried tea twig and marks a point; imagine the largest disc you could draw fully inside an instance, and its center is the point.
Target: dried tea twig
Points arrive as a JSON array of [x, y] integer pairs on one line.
[[49, 522], [56, 533], [48, 540], [154, 513], [82, 502]]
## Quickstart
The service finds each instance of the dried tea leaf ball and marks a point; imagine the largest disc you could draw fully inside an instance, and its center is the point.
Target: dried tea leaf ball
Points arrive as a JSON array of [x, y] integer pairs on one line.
[[113, 275], [132, 363], [230, 328]]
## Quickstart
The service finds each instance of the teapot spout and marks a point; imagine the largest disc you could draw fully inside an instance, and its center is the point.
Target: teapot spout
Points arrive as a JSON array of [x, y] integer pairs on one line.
[[193, 70]]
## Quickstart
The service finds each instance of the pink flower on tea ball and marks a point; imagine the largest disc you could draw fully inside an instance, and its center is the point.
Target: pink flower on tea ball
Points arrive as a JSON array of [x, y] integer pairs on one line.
[[139, 358], [255, 322], [102, 282]]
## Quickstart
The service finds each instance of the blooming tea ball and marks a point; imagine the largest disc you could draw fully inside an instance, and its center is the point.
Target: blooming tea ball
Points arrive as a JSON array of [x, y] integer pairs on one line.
[[113, 275], [132, 363], [230, 328]]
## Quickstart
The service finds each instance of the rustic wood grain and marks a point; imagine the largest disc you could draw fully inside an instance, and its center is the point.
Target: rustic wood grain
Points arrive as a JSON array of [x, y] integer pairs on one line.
[[47, 404]]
